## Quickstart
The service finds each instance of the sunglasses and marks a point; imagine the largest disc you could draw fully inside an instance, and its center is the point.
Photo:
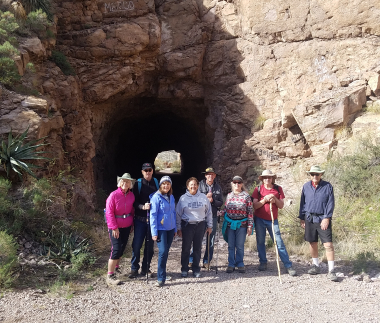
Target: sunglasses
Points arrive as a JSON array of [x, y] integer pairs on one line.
[[148, 170], [314, 174], [237, 182]]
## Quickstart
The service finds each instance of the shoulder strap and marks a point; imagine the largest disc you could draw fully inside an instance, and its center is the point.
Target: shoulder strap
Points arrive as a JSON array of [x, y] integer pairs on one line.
[[139, 183], [277, 188], [156, 181], [258, 192]]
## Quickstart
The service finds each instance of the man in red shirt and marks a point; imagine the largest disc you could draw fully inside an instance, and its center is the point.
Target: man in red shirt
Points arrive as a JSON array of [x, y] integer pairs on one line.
[[269, 193]]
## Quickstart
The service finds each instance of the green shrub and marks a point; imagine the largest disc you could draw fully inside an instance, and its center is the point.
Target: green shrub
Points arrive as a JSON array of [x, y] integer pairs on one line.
[[61, 61], [176, 166], [37, 21], [8, 71], [8, 25], [8, 259], [8, 50]]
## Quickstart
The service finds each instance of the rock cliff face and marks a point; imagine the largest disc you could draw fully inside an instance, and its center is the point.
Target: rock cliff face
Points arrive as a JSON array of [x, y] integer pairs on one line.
[[238, 84]]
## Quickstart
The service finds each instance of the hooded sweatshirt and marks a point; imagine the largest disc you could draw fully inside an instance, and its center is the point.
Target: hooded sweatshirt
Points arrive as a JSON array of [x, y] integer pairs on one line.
[[194, 208], [162, 213]]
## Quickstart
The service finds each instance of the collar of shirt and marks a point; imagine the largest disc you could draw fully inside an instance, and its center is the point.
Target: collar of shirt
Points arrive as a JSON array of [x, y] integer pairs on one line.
[[312, 183]]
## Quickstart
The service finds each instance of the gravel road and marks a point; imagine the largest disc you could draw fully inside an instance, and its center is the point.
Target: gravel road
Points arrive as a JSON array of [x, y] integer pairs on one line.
[[251, 297]]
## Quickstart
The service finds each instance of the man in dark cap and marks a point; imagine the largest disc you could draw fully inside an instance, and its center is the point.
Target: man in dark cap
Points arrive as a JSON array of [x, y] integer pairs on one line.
[[142, 189]]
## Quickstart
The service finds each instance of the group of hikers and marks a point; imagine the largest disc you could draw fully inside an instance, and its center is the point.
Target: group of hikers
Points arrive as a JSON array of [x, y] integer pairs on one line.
[[147, 206]]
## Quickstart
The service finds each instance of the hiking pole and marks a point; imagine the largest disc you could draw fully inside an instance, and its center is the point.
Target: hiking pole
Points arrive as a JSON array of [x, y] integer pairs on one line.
[[208, 251], [275, 243], [147, 246], [217, 246]]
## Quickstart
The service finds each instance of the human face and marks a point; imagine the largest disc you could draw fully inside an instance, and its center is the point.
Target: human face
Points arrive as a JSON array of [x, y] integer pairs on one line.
[[316, 178], [147, 173], [236, 186], [165, 187], [192, 187], [125, 185], [210, 178], [267, 180]]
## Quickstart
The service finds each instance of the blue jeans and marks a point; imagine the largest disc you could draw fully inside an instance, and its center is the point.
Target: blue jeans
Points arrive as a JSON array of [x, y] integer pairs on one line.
[[212, 239], [261, 226], [140, 234], [236, 239], [164, 241]]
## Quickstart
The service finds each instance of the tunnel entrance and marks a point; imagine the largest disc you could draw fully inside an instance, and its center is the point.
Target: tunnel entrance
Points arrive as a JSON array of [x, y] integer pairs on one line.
[[141, 129]]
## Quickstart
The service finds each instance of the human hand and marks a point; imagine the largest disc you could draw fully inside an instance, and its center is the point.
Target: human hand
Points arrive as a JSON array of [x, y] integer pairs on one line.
[[325, 223], [115, 233], [146, 206], [303, 224], [209, 230], [154, 238], [249, 231], [132, 227], [179, 233]]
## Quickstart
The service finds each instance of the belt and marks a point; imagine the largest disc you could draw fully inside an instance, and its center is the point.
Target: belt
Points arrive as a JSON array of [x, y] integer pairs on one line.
[[195, 222], [124, 216]]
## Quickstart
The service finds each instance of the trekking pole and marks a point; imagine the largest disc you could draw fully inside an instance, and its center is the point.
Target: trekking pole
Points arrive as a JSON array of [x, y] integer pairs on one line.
[[147, 246], [208, 251], [217, 246], [275, 244]]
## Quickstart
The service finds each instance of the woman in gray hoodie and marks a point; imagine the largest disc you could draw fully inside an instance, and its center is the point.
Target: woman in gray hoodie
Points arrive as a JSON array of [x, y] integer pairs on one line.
[[194, 213]]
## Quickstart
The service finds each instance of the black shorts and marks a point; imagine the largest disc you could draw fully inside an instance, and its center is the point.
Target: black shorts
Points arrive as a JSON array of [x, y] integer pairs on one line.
[[118, 245], [313, 231]]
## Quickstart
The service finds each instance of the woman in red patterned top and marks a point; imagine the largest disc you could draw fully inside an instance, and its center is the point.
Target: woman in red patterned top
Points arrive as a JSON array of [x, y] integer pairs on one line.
[[238, 222]]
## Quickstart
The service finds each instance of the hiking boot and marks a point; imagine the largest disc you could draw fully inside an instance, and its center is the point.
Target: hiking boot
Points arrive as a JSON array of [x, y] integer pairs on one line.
[[241, 270], [133, 274], [197, 274], [184, 274], [332, 276], [314, 270], [118, 271], [159, 284], [291, 271], [168, 278], [150, 274], [230, 270], [263, 266], [112, 280]]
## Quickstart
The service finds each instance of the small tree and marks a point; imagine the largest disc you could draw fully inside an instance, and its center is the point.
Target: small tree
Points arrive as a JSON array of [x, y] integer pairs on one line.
[[14, 152]]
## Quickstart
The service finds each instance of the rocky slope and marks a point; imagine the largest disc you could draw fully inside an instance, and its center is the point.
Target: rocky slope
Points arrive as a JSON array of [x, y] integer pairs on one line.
[[255, 84]]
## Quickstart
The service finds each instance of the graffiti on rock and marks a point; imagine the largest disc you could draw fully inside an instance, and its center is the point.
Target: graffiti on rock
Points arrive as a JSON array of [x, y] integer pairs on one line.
[[119, 6]]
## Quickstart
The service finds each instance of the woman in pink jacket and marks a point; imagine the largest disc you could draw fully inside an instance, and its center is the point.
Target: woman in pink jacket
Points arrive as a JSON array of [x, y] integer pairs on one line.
[[119, 215]]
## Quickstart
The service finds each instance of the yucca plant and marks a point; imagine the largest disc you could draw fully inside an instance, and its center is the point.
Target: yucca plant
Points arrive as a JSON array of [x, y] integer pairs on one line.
[[14, 152], [33, 5]]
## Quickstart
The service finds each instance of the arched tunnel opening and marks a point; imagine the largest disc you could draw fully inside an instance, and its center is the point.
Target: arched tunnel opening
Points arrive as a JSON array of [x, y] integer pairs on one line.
[[146, 127]]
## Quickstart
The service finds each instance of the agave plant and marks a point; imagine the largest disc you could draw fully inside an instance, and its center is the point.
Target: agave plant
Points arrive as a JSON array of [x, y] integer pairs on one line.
[[14, 151], [33, 5]]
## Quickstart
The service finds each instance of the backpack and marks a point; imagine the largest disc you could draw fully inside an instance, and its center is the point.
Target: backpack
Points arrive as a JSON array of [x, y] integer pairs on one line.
[[275, 186], [139, 183]]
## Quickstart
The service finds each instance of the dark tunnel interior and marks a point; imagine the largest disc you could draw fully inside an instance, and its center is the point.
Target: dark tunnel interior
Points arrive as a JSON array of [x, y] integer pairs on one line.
[[139, 138]]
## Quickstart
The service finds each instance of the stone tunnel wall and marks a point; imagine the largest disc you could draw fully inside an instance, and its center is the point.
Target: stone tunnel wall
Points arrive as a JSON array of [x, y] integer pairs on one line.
[[277, 78]]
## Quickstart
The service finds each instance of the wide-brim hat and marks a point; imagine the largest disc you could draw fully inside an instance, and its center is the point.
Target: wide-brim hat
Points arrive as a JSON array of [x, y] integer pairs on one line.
[[267, 172], [315, 169], [126, 176], [209, 170]]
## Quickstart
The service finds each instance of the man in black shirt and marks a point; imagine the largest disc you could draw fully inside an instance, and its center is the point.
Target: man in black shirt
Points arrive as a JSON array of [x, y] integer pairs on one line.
[[142, 189]]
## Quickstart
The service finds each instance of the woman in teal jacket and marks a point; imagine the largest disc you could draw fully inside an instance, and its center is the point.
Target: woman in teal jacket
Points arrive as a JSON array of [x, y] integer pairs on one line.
[[163, 225]]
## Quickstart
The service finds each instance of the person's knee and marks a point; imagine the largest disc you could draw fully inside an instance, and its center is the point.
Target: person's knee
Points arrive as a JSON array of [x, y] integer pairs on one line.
[[329, 247]]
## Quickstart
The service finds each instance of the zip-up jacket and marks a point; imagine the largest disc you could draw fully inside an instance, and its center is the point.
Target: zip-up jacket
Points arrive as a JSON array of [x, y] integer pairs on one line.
[[217, 197], [119, 203], [317, 203], [162, 213], [142, 197], [194, 208]]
